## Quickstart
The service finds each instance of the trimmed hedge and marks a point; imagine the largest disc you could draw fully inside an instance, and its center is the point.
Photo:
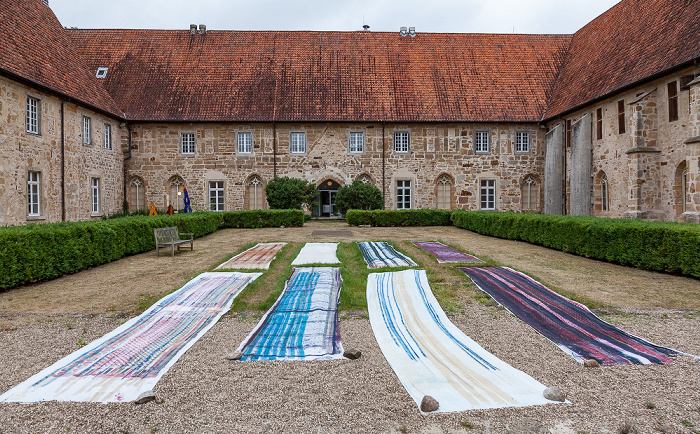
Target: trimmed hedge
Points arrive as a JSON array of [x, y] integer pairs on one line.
[[271, 218], [659, 246], [45, 251], [411, 217]]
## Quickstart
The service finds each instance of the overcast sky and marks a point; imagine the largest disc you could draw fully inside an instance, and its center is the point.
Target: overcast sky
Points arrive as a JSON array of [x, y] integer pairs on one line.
[[453, 16]]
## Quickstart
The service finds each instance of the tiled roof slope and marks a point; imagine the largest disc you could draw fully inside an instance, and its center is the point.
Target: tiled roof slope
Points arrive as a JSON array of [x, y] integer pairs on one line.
[[35, 47], [161, 75], [632, 41]]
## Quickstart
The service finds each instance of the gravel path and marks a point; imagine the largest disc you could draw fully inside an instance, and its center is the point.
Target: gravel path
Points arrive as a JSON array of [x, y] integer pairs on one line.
[[204, 392]]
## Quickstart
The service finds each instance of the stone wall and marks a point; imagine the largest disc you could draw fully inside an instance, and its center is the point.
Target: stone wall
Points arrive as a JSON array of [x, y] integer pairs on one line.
[[22, 152], [643, 165], [435, 150]]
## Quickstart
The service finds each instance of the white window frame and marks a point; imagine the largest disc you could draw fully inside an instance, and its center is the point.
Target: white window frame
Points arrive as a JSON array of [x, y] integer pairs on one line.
[[101, 72], [34, 193], [87, 130], [297, 142], [108, 137], [404, 194], [95, 200], [482, 142], [216, 192], [244, 142], [33, 124], [356, 142], [188, 144], [522, 142], [402, 142], [487, 194]]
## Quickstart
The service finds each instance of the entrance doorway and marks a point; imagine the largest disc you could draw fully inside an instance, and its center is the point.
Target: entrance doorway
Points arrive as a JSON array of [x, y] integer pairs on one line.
[[326, 199]]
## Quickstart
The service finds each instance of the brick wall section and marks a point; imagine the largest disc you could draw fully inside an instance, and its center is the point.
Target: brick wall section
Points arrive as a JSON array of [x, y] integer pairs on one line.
[[21, 152], [435, 149]]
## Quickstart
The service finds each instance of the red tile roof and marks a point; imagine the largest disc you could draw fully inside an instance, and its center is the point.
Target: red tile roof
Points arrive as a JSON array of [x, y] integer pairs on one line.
[[160, 75], [35, 47], [631, 42]]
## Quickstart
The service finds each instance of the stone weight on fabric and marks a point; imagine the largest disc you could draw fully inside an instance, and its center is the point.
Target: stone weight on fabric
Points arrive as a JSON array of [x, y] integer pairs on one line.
[[429, 404]]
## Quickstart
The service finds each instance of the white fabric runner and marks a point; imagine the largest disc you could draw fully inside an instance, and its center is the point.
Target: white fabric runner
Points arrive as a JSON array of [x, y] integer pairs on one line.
[[431, 356], [317, 253]]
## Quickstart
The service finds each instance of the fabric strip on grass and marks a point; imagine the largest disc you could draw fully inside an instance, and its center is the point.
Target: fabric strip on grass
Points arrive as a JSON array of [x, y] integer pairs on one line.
[[431, 356], [381, 254], [445, 254], [317, 253], [303, 322], [570, 325], [131, 359], [257, 257]]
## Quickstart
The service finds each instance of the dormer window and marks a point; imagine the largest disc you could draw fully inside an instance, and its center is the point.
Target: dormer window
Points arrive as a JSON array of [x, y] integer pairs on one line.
[[101, 72]]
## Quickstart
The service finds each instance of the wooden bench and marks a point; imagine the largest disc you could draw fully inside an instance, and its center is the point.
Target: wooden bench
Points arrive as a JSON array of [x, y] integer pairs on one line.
[[171, 237]]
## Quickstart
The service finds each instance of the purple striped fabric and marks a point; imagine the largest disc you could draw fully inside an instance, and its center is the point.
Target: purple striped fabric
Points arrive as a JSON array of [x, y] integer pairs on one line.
[[570, 325], [445, 253]]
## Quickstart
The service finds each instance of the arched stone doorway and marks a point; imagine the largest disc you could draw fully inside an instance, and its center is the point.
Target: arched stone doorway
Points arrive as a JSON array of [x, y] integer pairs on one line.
[[326, 199]]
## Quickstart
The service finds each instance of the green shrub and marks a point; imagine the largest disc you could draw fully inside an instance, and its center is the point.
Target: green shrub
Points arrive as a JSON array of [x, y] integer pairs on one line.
[[290, 193], [412, 217], [263, 218], [45, 251], [358, 195], [659, 246]]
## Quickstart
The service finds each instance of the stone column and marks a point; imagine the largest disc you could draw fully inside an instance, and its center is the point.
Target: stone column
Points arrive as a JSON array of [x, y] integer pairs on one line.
[[692, 207], [554, 172], [643, 177], [581, 155]]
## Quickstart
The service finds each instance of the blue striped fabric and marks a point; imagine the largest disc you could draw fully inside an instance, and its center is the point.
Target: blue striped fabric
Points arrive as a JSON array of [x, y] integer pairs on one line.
[[381, 254], [303, 323]]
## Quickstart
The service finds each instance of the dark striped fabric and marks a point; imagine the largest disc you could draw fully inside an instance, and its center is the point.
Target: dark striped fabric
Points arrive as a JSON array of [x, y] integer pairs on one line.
[[570, 325]]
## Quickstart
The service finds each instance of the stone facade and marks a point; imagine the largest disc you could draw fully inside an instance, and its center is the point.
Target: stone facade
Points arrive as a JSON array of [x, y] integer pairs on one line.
[[643, 165], [21, 153], [437, 152]]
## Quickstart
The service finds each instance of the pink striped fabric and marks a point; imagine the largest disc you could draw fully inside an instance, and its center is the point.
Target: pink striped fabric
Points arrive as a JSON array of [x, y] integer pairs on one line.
[[257, 257]]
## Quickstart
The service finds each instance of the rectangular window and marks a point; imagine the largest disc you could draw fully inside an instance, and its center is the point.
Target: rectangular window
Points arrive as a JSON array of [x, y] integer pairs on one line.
[[95, 195], [108, 137], [216, 195], [297, 143], [357, 142], [599, 124], [33, 106], [522, 141], [87, 130], [672, 102], [34, 194], [621, 116], [245, 143], [488, 194], [187, 144], [481, 141], [402, 141], [403, 194]]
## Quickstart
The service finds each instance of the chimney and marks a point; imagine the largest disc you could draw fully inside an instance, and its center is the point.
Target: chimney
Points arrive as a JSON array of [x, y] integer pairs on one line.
[[412, 31], [202, 29], [193, 28], [403, 31]]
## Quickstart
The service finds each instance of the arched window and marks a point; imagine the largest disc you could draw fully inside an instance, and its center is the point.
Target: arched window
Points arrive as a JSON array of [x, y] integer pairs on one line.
[[529, 193], [680, 189], [137, 195], [604, 194], [444, 192], [365, 178], [177, 196], [256, 198]]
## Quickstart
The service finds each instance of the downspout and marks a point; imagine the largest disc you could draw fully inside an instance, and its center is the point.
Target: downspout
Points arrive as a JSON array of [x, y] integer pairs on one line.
[[564, 178], [384, 163], [127, 157], [63, 164], [274, 150]]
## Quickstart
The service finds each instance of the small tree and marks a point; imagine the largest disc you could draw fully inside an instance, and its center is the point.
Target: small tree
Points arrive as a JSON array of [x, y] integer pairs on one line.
[[290, 193], [359, 195]]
